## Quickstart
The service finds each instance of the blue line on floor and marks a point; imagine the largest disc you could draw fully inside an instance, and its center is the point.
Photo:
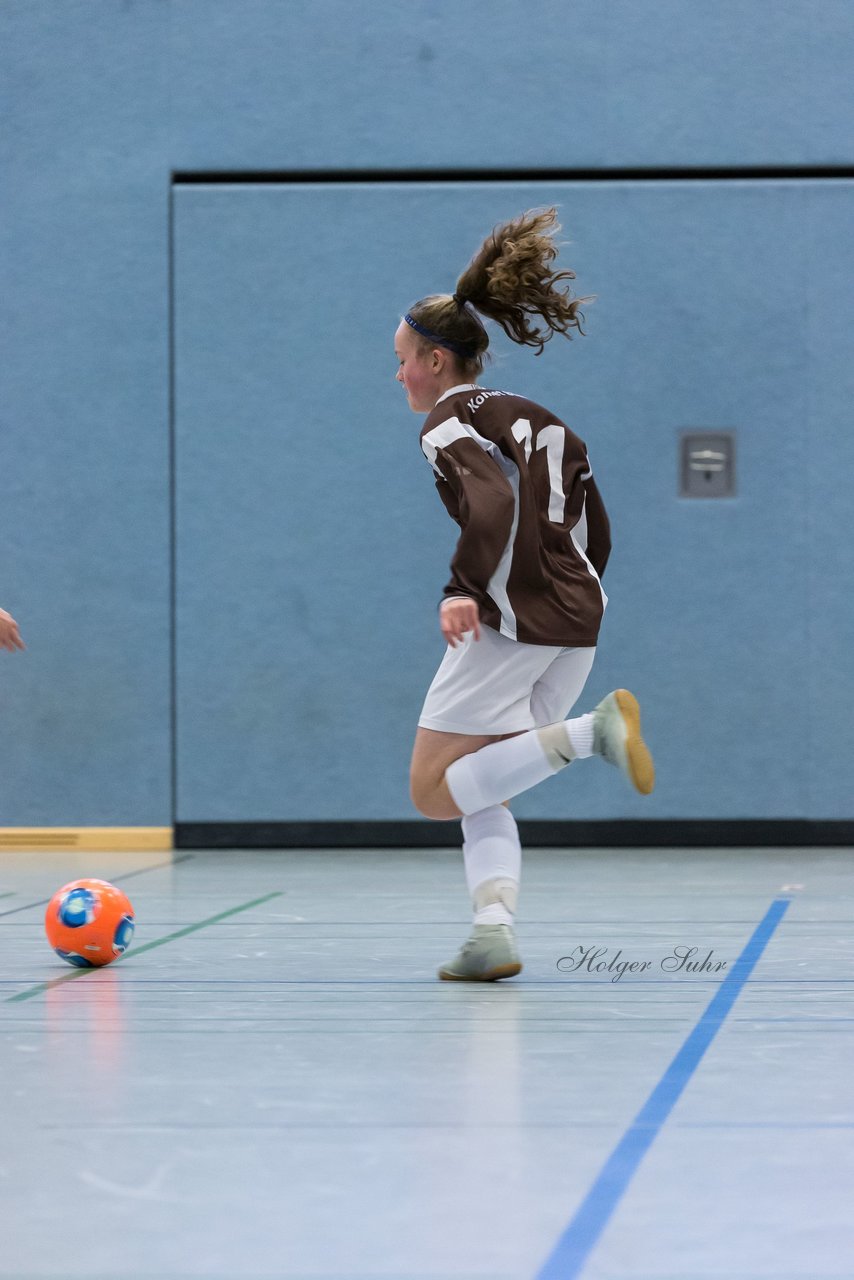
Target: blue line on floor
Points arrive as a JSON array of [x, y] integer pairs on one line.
[[580, 1237]]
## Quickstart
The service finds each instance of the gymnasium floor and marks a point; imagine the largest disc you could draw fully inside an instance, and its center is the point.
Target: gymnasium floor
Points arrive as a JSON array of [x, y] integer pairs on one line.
[[272, 1083]]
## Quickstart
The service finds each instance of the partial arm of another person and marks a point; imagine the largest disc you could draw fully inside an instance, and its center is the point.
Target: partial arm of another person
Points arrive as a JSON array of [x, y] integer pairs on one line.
[[10, 637]]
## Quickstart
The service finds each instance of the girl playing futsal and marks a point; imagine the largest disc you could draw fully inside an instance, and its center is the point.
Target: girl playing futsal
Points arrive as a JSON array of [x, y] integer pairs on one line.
[[522, 610]]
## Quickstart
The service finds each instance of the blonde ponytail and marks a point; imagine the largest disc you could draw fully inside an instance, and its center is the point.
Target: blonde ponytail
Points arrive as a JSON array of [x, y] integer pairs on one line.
[[509, 280]]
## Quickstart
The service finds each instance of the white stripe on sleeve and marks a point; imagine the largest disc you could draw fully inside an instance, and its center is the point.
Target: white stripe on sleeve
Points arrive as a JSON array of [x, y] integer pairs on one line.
[[579, 538]]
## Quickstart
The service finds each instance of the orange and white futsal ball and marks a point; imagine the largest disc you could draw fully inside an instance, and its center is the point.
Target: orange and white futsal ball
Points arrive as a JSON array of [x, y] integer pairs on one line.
[[89, 923]]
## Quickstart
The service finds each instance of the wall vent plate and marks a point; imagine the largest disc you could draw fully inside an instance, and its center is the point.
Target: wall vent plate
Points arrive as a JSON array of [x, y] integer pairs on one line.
[[707, 464]]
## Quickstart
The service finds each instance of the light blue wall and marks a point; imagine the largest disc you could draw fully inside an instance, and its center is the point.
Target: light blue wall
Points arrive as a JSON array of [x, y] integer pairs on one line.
[[102, 100]]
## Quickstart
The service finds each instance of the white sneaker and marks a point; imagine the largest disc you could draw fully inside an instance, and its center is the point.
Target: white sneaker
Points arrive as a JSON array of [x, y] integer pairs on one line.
[[617, 739], [490, 953]]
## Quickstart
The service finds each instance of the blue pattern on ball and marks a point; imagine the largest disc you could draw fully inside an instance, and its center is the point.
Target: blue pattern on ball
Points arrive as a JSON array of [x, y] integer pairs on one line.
[[72, 957], [77, 907], [123, 935]]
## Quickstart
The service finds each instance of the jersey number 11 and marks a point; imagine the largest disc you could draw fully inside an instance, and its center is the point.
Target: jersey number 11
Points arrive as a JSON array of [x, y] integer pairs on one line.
[[552, 439]]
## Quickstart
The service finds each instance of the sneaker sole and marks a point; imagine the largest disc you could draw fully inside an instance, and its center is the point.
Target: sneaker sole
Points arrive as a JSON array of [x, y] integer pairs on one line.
[[494, 975], [641, 770]]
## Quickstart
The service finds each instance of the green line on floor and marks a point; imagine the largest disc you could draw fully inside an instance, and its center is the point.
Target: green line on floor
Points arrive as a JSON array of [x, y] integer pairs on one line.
[[146, 946]]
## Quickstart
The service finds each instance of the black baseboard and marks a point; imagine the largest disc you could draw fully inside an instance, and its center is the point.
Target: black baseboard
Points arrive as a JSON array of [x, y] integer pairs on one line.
[[626, 834]]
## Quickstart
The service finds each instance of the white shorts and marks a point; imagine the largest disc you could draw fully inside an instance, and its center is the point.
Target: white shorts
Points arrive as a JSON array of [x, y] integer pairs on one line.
[[495, 685]]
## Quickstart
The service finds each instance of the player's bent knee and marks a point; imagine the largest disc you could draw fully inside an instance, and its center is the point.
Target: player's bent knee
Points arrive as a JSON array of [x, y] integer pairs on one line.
[[425, 804], [430, 802], [439, 812]]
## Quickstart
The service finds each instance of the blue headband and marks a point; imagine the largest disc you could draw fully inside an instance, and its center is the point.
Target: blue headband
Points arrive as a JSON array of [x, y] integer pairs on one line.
[[459, 348]]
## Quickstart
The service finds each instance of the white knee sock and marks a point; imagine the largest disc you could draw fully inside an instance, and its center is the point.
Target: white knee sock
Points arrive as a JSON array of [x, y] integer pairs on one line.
[[493, 861], [504, 769]]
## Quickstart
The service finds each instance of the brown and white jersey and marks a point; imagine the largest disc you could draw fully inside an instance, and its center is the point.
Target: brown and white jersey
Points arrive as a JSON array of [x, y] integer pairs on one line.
[[535, 537]]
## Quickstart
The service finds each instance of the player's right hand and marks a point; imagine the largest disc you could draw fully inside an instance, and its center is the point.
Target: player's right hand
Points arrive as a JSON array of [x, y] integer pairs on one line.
[[10, 637], [456, 617]]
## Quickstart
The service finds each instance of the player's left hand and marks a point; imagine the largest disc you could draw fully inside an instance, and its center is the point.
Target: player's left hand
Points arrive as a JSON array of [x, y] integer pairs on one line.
[[456, 617]]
